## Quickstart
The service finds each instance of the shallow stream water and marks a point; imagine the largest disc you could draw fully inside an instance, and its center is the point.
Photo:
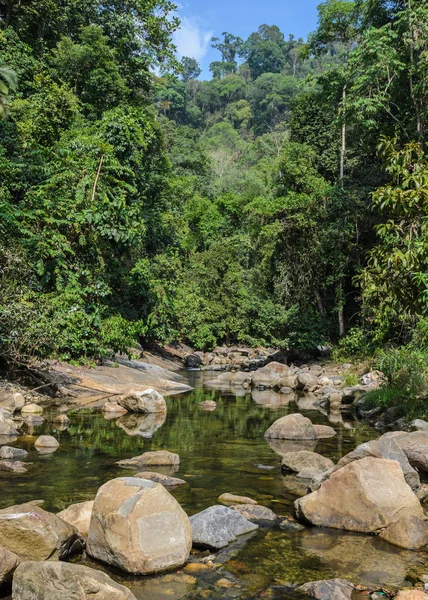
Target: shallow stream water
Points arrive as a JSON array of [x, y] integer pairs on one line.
[[221, 451]]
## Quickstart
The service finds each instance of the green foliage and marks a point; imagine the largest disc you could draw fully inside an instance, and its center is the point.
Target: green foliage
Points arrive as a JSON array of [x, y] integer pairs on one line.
[[354, 346]]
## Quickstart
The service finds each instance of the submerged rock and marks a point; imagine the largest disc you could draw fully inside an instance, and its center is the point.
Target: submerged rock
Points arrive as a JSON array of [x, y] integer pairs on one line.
[[366, 495], [13, 466], [79, 516], [217, 526], [296, 461], [137, 526], [164, 480], [33, 533], [63, 581], [255, 512], [234, 499], [408, 532], [292, 427], [330, 589], [148, 401], [324, 431], [151, 459]]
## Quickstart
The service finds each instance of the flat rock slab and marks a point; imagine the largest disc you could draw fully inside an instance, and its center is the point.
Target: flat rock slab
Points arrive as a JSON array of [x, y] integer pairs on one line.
[[164, 480], [150, 459], [217, 526], [63, 581], [296, 461], [330, 589]]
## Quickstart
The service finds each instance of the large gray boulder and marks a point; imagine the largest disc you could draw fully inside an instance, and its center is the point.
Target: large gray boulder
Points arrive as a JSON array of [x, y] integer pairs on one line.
[[384, 447], [137, 526], [217, 526], [8, 563], [9, 453], [11, 401], [33, 533], [305, 381], [265, 378], [366, 495], [55, 580], [147, 401], [292, 427]]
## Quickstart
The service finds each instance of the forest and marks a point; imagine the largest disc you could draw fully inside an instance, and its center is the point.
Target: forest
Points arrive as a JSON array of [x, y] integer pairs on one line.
[[283, 202]]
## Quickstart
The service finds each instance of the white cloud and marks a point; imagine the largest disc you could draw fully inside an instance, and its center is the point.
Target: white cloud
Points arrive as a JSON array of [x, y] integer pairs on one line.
[[191, 39]]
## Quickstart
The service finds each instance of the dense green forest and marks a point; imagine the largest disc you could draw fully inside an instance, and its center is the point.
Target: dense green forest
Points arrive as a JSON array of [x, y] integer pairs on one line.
[[283, 202]]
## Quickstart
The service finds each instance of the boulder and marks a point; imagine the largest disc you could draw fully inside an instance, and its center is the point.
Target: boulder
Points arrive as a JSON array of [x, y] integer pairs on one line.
[[56, 580], [9, 453], [255, 512], [31, 532], [292, 427], [164, 480], [417, 455], [5, 415], [384, 447], [13, 466], [234, 499], [419, 425], [192, 361], [240, 378], [217, 526], [148, 401], [266, 377], [324, 431], [296, 461], [8, 563], [158, 458], [32, 409], [8, 429], [46, 443], [330, 589], [289, 381], [111, 406], [137, 526], [78, 515], [366, 495], [305, 381], [12, 401], [407, 532]]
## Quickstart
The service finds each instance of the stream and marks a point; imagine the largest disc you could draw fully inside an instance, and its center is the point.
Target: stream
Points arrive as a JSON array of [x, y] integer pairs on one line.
[[222, 450]]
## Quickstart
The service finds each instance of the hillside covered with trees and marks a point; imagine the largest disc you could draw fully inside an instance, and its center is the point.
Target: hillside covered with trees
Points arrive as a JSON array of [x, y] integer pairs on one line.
[[284, 202]]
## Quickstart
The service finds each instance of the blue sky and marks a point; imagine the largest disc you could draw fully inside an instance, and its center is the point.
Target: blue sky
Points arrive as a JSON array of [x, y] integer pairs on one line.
[[203, 19]]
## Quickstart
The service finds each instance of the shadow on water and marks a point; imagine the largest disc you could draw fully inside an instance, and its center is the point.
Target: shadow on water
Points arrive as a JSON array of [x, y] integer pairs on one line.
[[221, 451]]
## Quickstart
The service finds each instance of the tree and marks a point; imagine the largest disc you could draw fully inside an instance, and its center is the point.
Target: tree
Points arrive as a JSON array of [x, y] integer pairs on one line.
[[230, 47], [190, 69], [264, 51], [8, 84]]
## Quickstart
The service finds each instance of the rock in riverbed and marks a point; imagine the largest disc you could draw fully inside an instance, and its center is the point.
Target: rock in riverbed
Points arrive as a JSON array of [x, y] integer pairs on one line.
[[9, 453], [148, 401], [292, 427], [366, 495], [63, 581], [330, 589], [296, 461], [113, 407], [158, 458], [79, 516], [46, 444], [164, 480], [13, 466], [217, 526], [12, 401], [137, 526], [255, 512], [33, 533], [229, 499], [408, 532], [8, 563]]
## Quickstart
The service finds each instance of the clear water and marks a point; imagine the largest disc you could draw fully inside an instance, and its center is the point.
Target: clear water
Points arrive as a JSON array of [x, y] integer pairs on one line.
[[221, 451]]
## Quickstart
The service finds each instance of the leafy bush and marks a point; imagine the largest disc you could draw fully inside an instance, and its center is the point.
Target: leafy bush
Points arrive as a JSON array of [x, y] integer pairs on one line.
[[355, 345]]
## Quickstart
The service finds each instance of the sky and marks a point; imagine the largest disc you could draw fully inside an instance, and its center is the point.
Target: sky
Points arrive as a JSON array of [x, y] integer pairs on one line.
[[203, 19]]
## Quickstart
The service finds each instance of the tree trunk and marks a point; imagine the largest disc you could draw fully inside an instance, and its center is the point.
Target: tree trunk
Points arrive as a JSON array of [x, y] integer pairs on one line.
[[320, 303], [343, 146], [341, 323], [8, 14]]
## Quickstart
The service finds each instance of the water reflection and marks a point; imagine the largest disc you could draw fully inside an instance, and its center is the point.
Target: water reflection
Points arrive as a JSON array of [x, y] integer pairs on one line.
[[141, 425]]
